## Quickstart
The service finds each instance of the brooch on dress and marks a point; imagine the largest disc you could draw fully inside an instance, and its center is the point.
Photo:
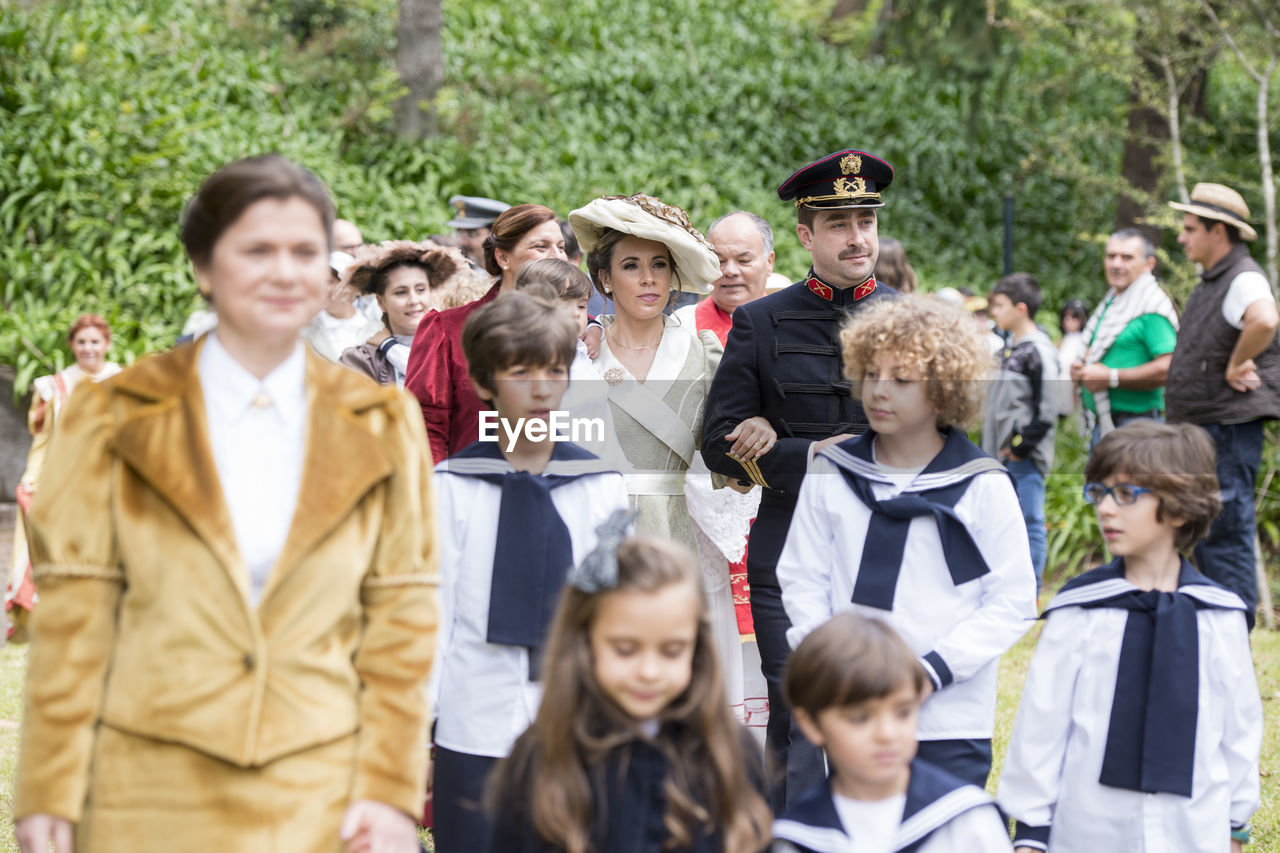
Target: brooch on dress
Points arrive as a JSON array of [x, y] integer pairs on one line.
[[613, 376]]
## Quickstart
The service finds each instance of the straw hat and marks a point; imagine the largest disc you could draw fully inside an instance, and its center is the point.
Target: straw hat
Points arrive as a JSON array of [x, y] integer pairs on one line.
[[1220, 203], [644, 216], [441, 264]]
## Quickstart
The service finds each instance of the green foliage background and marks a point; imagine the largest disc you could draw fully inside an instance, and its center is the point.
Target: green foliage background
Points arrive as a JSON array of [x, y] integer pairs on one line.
[[112, 111]]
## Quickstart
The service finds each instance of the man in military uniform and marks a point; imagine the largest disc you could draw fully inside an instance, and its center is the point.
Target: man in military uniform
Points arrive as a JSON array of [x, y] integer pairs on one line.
[[780, 395], [473, 217]]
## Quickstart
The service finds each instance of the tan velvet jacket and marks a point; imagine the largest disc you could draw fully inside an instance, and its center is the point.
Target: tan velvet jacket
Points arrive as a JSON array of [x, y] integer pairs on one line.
[[143, 622]]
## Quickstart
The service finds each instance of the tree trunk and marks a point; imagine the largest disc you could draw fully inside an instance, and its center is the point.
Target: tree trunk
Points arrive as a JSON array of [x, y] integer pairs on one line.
[[1148, 132], [1268, 177], [421, 66]]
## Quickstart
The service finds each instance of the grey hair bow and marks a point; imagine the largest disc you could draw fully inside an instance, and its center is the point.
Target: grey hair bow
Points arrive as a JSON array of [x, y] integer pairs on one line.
[[599, 570]]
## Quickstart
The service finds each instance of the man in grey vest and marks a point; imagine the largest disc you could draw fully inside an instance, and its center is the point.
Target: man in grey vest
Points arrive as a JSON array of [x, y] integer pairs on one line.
[[1225, 373]]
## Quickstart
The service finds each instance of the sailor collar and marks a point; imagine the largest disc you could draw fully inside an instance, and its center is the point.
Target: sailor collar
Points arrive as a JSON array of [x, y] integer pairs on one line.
[[1109, 581], [934, 797], [485, 457], [958, 461]]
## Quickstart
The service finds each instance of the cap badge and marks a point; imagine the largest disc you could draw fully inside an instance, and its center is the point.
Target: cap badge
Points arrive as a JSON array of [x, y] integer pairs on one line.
[[850, 164], [820, 289], [460, 206], [849, 187], [867, 288]]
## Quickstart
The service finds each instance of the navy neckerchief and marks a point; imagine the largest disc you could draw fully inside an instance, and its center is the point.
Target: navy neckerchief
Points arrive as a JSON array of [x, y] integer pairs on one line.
[[534, 551], [1151, 736], [935, 491], [934, 797]]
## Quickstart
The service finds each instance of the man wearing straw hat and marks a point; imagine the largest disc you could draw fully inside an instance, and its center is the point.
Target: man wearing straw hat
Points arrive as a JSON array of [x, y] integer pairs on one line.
[[1225, 373]]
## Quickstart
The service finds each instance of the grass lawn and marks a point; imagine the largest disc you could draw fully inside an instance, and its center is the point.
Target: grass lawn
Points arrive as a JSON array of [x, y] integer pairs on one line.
[[1013, 670]]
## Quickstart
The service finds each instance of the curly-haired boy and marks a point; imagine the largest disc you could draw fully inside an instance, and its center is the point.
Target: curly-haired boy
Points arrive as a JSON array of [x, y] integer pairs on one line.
[[912, 523]]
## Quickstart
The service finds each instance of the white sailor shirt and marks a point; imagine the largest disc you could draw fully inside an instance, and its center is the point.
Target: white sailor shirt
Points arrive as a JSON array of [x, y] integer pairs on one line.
[[481, 691], [1051, 772], [967, 626]]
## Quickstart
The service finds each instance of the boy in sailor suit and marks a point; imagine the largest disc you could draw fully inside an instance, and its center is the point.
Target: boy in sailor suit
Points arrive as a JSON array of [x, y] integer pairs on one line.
[[1140, 723], [912, 523], [856, 688], [513, 518]]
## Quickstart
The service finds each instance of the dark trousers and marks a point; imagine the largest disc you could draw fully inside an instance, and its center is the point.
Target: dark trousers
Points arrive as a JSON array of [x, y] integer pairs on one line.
[[1226, 555], [795, 764], [461, 823], [967, 758]]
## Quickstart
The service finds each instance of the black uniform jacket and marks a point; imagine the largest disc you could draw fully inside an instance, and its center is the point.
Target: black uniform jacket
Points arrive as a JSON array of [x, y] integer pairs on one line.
[[782, 360]]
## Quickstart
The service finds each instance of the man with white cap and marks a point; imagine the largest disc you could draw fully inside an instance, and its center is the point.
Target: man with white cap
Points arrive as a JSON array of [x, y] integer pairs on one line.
[[473, 216], [1225, 373]]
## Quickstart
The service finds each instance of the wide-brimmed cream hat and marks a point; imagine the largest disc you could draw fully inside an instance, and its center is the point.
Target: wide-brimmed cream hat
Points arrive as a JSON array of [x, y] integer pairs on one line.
[[644, 216], [1221, 203]]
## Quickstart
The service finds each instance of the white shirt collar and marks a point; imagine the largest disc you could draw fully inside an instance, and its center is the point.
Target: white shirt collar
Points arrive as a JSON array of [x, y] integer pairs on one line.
[[230, 391]]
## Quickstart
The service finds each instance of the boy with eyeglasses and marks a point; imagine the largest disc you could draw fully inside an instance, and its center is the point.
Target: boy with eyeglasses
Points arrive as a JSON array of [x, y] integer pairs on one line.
[[1140, 723]]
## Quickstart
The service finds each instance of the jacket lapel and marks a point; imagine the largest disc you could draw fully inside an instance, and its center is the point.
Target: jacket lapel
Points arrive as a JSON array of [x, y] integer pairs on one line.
[[342, 462], [167, 445]]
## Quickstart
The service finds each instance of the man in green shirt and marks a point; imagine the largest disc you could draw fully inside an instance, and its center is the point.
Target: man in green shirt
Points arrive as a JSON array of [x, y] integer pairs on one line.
[[1130, 338]]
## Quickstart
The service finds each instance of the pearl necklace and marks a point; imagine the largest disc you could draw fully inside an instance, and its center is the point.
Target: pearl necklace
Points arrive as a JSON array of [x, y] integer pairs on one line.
[[615, 342]]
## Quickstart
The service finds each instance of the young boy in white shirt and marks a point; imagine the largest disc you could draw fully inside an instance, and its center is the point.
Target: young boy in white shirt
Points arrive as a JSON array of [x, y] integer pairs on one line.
[[912, 523], [514, 515], [1140, 724], [856, 688]]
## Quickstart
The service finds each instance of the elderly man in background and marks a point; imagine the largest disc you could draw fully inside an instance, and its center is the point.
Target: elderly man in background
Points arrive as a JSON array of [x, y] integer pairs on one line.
[[744, 246], [1129, 339], [346, 236], [1225, 373]]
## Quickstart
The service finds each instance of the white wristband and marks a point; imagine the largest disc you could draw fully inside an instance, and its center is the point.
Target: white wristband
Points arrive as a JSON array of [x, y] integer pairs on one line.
[[1115, 379]]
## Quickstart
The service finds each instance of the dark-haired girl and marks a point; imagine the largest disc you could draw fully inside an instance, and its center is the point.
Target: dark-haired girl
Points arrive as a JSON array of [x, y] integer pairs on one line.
[[633, 749]]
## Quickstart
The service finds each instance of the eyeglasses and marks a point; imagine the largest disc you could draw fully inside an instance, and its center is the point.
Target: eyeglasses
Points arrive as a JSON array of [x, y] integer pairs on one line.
[[1124, 494]]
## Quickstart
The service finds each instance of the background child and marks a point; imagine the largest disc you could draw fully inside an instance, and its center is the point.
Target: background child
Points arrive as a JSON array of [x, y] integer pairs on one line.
[[856, 688], [1023, 402], [570, 285], [588, 395], [633, 748], [513, 517], [1140, 723], [912, 523]]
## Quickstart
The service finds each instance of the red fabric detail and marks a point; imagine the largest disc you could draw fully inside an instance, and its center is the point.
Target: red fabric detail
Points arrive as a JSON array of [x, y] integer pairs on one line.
[[437, 376], [741, 597], [820, 289], [711, 318], [867, 288], [25, 595]]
